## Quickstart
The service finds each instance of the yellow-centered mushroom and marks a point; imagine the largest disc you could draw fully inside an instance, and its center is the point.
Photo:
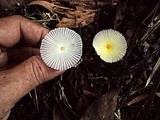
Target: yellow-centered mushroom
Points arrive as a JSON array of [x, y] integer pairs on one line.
[[110, 45]]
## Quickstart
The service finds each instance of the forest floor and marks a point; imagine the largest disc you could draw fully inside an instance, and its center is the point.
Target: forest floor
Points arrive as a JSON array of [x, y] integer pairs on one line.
[[95, 90]]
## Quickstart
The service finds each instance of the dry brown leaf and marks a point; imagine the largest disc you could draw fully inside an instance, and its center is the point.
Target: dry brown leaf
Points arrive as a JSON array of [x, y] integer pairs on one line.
[[51, 6], [84, 5], [137, 99], [78, 19], [99, 2], [75, 18], [72, 18], [103, 108], [66, 22], [62, 10]]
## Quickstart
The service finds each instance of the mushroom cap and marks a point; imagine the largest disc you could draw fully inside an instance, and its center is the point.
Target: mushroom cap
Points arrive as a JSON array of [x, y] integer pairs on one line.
[[61, 48], [110, 45]]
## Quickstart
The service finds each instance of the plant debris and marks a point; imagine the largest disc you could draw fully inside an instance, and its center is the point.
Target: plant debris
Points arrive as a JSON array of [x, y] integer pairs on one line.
[[94, 89], [103, 108]]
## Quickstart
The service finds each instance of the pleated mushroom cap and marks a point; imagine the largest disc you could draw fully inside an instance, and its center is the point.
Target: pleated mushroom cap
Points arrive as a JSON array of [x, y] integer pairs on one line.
[[110, 45], [61, 48]]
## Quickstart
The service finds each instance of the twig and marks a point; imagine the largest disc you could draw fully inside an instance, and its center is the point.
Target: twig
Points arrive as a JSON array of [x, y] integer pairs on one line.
[[151, 30], [152, 12], [152, 95], [36, 100], [153, 72]]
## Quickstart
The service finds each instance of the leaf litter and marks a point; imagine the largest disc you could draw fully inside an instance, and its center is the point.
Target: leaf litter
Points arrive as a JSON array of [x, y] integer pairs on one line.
[[95, 90]]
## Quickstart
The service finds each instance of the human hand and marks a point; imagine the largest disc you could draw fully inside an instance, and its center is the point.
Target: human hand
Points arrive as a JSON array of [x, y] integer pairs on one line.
[[19, 42]]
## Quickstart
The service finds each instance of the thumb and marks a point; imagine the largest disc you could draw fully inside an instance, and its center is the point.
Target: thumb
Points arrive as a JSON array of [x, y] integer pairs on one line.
[[18, 81]]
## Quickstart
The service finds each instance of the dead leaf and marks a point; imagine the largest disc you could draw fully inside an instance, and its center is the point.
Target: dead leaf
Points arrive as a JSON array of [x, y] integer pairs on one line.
[[137, 99], [103, 108], [98, 2], [51, 6], [84, 5], [72, 18], [77, 19]]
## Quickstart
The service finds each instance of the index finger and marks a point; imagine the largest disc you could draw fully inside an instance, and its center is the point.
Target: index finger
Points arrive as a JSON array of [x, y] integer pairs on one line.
[[16, 27]]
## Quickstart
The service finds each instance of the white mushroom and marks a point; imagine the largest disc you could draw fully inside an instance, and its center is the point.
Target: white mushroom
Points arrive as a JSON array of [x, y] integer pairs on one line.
[[61, 48]]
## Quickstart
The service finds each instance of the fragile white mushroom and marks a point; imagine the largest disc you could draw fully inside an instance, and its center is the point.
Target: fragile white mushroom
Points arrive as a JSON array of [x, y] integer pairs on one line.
[[110, 45], [61, 48]]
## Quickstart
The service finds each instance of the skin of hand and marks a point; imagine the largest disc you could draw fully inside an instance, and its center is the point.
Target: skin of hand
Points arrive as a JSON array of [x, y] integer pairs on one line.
[[21, 68]]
